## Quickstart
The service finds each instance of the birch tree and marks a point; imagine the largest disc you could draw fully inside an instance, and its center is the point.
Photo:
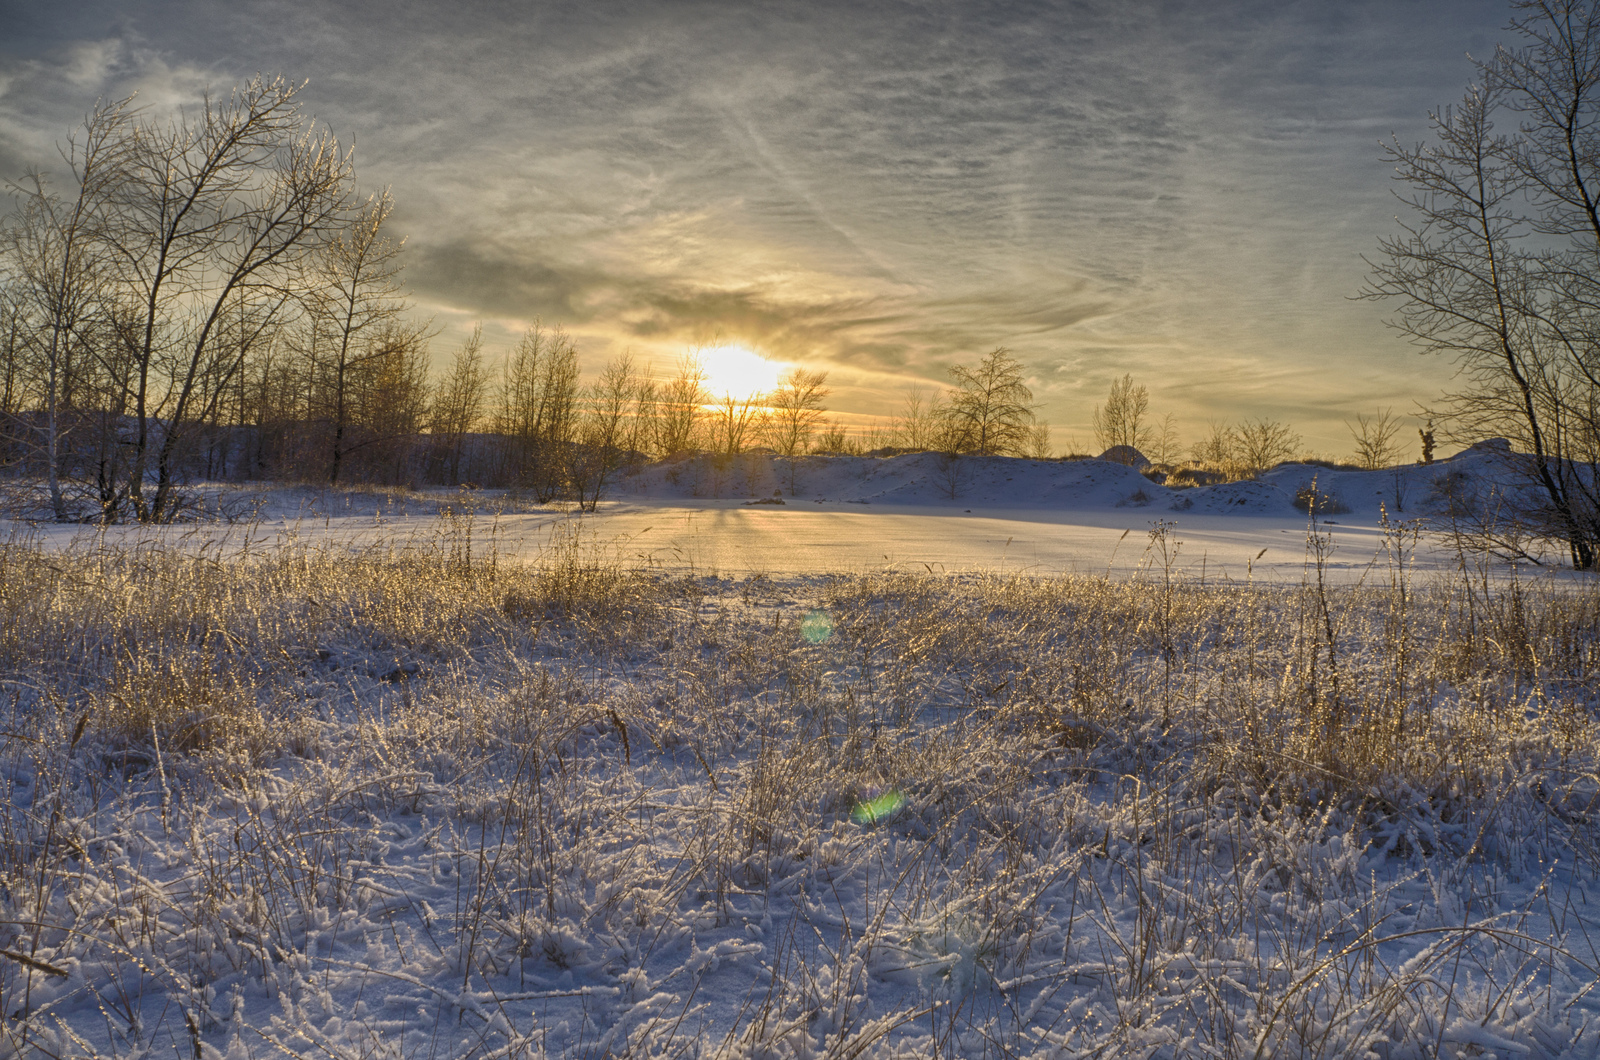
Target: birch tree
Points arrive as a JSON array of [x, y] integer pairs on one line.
[[354, 297], [216, 208], [58, 254]]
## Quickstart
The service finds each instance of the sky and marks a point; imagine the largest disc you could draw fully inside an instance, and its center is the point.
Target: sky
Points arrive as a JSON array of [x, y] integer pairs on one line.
[[1178, 191]]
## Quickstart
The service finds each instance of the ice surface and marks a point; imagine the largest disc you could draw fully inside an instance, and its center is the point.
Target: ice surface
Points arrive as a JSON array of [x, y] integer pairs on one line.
[[859, 513]]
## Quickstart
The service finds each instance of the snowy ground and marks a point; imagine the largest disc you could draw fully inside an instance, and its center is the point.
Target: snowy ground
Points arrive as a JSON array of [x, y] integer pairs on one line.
[[714, 779], [1041, 517], [844, 514]]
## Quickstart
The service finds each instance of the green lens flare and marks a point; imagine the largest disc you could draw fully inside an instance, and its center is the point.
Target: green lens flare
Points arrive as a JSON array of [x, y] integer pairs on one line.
[[816, 627], [879, 809]]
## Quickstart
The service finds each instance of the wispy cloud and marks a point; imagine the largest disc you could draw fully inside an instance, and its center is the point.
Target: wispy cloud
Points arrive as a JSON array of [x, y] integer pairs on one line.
[[1181, 191]]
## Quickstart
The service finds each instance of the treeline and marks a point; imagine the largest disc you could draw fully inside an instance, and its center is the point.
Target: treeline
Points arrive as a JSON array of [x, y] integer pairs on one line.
[[213, 298], [1242, 449], [987, 410], [192, 279]]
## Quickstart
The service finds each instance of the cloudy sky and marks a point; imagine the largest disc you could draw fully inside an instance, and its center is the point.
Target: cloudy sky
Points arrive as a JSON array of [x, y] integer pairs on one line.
[[1182, 191]]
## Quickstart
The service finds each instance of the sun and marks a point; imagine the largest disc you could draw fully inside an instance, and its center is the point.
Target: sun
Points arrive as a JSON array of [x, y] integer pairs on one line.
[[738, 371]]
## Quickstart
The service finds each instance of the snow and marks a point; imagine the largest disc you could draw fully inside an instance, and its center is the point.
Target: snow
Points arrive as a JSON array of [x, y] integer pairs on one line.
[[1038, 517], [855, 514], [363, 899]]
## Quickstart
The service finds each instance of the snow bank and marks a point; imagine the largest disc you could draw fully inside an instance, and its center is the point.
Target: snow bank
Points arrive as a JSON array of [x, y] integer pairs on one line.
[[1008, 483]]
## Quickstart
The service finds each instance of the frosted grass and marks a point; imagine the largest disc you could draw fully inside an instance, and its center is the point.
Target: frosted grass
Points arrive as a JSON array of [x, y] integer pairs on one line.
[[409, 798]]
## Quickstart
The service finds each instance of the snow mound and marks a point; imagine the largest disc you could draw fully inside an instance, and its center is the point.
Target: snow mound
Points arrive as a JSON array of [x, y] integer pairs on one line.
[[1126, 454], [1242, 497], [974, 482], [906, 479]]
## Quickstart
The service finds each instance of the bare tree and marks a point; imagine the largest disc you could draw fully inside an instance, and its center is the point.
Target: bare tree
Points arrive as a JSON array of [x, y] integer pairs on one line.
[[217, 208], [796, 409], [1247, 448], [646, 403], [1499, 266], [680, 408], [1163, 445], [989, 409], [354, 296], [458, 406], [834, 440], [1375, 437], [1121, 420], [879, 435], [1220, 451], [538, 410], [1264, 443], [244, 332], [607, 432], [734, 423], [111, 371], [58, 254], [921, 417], [277, 410], [390, 403], [1039, 442], [13, 349]]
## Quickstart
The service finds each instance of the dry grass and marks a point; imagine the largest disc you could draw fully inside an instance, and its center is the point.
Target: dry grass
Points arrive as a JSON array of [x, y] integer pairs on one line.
[[1141, 817]]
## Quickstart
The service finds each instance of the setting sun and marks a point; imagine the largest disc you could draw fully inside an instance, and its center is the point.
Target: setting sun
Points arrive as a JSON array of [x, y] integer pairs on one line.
[[738, 371]]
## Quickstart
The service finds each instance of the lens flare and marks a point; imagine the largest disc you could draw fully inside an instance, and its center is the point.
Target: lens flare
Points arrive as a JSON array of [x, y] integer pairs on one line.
[[881, 808], [816, 627]]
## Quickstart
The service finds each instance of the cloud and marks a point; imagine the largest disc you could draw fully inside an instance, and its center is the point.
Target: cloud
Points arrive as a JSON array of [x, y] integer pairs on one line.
[[871, 327], [44, 97], [1181, 191]]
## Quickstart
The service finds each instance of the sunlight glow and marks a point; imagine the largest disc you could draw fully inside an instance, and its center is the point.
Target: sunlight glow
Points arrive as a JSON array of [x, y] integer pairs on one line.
[[738, 371]]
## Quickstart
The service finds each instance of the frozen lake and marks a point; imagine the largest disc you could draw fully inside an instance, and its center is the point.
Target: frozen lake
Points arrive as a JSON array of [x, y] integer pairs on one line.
[[807, 538], [800, 538], [860, 514]]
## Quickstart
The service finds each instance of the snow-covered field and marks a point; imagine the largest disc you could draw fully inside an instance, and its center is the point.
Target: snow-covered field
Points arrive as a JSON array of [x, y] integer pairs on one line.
[[875, 776], [858, 514]]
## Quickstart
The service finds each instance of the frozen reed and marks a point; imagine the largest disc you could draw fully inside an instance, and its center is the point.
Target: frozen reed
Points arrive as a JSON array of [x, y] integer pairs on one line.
[[411, 799]]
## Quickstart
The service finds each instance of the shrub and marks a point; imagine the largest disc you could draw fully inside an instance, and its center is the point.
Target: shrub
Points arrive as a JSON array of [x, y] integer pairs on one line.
[[1313, 501], [1453, 493], [1195, 476], [1137, 499]]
